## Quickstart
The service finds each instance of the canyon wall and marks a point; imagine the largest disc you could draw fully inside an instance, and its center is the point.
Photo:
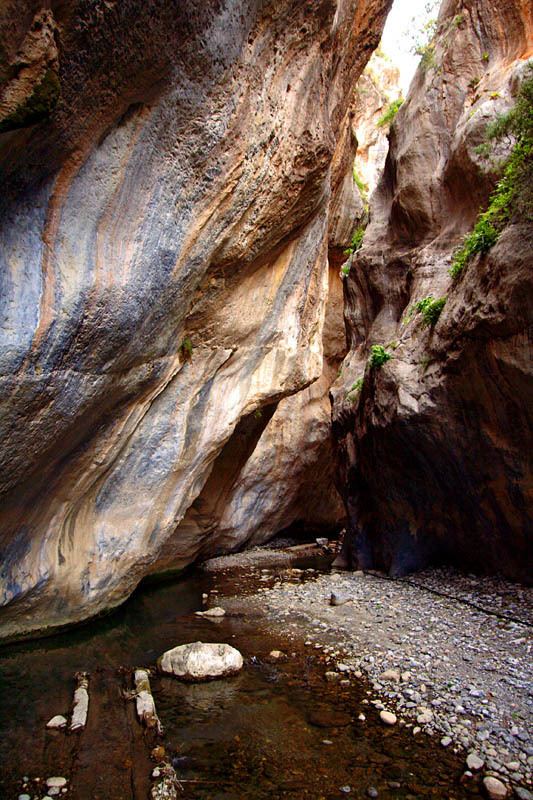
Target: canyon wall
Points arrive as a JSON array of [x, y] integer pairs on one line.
[[167, 174], [434, 444]]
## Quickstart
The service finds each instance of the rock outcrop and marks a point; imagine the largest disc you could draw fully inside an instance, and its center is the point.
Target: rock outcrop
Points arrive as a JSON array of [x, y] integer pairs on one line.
[[434, 445], [167, 175], [377, 89]]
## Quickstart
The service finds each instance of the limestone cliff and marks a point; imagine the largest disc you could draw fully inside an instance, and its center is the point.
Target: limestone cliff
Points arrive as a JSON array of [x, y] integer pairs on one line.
[[167, 172], [434, 443]]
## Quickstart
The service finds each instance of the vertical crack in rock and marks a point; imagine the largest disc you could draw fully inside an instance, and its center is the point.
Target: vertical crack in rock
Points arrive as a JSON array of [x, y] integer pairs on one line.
[[434, 444]]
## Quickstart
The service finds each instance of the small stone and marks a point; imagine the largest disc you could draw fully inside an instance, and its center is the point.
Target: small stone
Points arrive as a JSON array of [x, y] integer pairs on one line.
[[390, 675], [474, 762], [387, 717], [495, 789], [327, 741], [321, 541], [216, 611], [338, 599], [156, 772], [58, 721], [54, 791], [56, 782], [446, 741], [361, 717], [372, 792], [24, 797], [425, 717], [406, 676], [332, 677], [416, 730], [522, 793], [346, 789], [277, 654]]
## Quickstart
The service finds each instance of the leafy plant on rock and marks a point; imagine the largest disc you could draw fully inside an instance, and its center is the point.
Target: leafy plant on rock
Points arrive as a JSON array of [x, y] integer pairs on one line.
[[430, 309], [378, 356], [512, 200], [386, 120]]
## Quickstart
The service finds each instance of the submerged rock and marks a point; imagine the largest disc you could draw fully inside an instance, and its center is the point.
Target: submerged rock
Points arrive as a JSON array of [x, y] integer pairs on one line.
[[201, 661], [216, 611]]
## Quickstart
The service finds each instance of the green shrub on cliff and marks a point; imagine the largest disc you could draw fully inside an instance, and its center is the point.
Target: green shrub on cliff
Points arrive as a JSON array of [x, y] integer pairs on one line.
[[378, 356], [512, 200], [356, 243], [354, 390], [430, 308], [386, 120]]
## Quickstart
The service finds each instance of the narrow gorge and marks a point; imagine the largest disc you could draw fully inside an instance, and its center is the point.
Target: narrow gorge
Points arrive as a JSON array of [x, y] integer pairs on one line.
[[265, 354]]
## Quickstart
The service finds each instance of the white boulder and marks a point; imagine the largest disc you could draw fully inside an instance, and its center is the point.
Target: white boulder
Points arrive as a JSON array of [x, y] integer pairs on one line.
[[201, 661]]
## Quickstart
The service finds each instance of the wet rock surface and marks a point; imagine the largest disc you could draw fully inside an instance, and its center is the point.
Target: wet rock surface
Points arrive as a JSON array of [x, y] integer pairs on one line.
[[437, 661]]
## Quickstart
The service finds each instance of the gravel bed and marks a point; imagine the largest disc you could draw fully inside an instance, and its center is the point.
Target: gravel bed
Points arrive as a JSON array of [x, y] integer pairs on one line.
[[451, 669]]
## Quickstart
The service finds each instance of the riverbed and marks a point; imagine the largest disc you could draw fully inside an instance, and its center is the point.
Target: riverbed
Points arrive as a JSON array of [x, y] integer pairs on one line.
[[277, 730]]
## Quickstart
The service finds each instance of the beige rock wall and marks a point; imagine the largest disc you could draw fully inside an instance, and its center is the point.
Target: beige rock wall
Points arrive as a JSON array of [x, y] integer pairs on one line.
[[168, 188]]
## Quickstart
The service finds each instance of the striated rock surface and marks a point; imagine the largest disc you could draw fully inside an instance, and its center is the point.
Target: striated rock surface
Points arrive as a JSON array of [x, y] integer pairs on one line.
[[167, 172], [434, 445], [377, 88]]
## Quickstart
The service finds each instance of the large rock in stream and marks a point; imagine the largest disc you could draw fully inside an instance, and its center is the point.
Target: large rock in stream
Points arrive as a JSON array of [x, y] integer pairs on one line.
[[167, 172], [201, 661], [434, 446]]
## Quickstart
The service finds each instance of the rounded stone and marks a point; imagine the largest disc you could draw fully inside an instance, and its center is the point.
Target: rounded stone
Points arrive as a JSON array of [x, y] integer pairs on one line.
[[474, 762], [201, 661], [495, 789], [388, 717], [56, 782], [59, 721]]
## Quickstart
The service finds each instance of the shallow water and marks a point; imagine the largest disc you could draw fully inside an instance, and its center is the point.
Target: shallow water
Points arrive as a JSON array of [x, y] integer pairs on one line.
[[259, 735]]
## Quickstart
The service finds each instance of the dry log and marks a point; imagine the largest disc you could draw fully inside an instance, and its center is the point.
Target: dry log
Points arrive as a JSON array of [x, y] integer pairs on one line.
[[80, 705], [144, 701]]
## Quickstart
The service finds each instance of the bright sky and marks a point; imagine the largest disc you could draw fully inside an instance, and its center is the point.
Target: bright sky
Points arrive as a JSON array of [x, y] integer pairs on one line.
[[396, 36]]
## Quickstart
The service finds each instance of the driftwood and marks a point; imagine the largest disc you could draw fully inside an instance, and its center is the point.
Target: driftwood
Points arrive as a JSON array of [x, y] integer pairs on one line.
[[144, 702], [80, 705]]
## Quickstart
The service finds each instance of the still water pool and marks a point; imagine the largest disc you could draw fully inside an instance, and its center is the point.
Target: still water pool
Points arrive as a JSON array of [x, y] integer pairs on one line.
[[277, 730]]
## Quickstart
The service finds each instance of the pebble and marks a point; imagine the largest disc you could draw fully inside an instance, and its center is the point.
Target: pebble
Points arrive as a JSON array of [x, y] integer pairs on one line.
[[494, 788], [463, 672], [346, 789], [390, 675], [56, 782], [24, 797], [59, 721], [388, 717], [474, 762], [446, 741], [522, 793], [372, 791], [216, 611]]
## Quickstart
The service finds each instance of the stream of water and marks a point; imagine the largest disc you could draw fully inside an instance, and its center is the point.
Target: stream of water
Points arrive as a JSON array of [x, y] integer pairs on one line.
[[277, 730]]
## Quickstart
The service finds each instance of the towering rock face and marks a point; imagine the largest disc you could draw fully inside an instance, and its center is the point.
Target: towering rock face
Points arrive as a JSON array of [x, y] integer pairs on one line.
[[434, 445], [377, 89], [167, 171]]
